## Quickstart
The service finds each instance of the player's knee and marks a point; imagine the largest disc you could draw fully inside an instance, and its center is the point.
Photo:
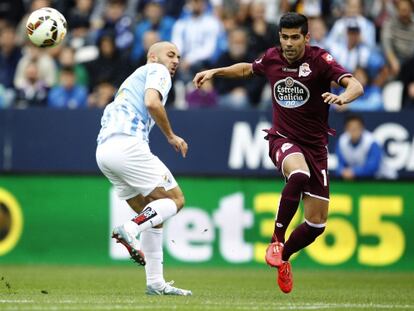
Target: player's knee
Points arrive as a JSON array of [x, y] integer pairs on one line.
[[296, 183], [317, 219], [299, 177], [315, 229]]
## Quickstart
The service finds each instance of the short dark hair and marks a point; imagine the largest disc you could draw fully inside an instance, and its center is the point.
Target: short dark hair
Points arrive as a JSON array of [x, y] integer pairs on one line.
[[68, 69], [294, 20], [353, 117]]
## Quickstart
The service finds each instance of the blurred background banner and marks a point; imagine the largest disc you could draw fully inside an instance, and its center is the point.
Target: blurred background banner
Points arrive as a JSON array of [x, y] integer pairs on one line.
[[222, 142], [227, 221]]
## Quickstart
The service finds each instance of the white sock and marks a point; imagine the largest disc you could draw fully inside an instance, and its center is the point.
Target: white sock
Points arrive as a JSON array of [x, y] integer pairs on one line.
[[151, 245], [154, 214]]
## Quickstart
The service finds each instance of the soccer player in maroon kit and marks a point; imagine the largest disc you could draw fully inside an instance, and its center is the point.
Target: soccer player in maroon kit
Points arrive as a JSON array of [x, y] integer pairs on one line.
[[300, 76]]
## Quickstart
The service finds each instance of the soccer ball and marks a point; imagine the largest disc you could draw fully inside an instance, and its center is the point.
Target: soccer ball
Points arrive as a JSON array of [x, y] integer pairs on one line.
[[46, 27]]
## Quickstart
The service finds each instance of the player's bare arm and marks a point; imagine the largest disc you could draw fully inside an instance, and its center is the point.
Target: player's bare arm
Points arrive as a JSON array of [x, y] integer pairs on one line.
[[239, 70], [353, 89], [158, 113]]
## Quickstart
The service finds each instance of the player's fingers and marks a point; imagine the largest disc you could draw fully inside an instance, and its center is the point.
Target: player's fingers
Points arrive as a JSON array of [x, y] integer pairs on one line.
[[195, 80], [184, 149], [332, 100], [324, 95], [327, 98]]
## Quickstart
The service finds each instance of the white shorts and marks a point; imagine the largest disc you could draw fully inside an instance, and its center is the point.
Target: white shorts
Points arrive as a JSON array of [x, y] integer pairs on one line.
[[131, 167]]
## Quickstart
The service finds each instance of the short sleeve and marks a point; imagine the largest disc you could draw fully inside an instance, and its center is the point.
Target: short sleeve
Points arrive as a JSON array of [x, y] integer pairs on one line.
[[259, 65], [158, 78], [331, 69]]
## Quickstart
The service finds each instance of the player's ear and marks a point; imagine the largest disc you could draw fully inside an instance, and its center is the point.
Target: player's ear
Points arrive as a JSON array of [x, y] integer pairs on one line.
[[307, 38], [152, 57]]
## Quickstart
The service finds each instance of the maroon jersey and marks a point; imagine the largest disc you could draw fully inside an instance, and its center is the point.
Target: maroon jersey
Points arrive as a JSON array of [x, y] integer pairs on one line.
[[299, 112]]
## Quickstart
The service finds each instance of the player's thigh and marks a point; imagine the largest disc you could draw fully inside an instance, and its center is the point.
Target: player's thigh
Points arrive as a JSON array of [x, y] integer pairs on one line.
[[134, 170], [286, 156], [294, 162], [110, 158], [316, 209], [318, 184]]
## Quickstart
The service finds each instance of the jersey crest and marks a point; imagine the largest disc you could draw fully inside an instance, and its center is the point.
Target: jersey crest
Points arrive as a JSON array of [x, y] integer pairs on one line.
[[304, 70]]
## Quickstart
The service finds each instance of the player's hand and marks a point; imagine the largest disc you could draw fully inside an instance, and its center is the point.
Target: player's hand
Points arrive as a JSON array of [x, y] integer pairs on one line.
[[179, 144], [202, 77], [330, 98]]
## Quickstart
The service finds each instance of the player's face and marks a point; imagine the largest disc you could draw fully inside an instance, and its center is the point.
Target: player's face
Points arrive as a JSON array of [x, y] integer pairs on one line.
[[170, 57], [354, 129], [293, 43]]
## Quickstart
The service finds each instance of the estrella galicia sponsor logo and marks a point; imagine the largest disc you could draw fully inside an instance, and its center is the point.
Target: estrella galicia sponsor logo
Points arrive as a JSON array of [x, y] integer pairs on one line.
[[290, 93]]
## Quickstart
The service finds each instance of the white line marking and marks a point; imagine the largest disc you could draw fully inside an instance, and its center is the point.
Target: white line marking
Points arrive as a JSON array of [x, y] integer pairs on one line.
[[210, 305]]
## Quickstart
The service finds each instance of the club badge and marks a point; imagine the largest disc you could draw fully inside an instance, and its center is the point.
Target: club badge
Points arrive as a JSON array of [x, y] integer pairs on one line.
[[304, 70]]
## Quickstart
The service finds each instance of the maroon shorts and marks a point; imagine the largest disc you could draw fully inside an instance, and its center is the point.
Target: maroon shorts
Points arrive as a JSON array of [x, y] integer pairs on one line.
[[316, 157]]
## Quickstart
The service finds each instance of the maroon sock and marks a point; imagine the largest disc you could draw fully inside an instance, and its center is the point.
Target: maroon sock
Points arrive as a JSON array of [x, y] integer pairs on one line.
[[301, 237], [288, 204]]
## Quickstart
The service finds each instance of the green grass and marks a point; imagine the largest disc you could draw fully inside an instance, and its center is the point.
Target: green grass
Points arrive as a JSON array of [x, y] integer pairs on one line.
[[122, 288]]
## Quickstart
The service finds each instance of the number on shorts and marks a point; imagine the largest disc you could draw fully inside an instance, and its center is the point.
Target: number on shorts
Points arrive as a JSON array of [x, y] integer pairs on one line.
[[325, 179]]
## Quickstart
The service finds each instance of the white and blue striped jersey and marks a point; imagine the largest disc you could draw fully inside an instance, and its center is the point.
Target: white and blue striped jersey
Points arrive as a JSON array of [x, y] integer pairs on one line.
[[127, 114]]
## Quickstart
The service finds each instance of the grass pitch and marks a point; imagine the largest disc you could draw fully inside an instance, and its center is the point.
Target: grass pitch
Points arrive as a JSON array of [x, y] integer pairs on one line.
[[122, 288]]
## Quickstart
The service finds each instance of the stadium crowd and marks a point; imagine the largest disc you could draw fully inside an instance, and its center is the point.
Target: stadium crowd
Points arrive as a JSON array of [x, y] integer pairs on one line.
[[108, 39]]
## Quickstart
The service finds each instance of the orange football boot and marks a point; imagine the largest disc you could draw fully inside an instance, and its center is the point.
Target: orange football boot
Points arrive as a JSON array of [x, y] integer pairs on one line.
[[285, 277]]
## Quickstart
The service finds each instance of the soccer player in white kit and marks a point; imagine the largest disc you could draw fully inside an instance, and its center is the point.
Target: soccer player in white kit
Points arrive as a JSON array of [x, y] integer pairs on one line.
[[139, 177]]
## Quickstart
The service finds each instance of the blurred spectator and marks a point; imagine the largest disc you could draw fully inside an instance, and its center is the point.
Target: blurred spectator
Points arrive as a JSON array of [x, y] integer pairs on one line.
[[153, 20], [407, 77], [150, 37], [398, 36], [11, 12], [98, 13], [262, 35], [275, 9], [238, 93], [79, 24], [47, 71], [10, 55], [67, 59], [80, 15], [115, 20], [173, 8], [359, 155], [196, 37], [31, 91], [353, 12], [355, 53], [67, 94], [318, 32], [204, 97], [310, 8], [109, 66], [372, 98], [237, 8], [379, 11], [7, 97], [102, 95]]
